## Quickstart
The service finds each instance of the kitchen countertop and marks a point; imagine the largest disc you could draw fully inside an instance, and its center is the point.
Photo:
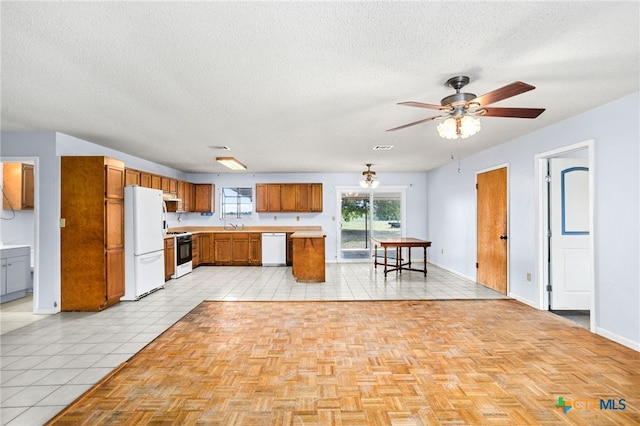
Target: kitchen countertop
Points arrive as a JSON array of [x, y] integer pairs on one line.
[[309, 234], [250, 229]]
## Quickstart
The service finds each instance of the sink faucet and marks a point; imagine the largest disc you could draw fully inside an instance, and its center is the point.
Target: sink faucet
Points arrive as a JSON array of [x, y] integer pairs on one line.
[[235, 227]]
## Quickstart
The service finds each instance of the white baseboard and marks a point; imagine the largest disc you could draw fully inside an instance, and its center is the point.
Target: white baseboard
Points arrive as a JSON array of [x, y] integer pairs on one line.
[[523, 300], [618, 339], [453, 271]]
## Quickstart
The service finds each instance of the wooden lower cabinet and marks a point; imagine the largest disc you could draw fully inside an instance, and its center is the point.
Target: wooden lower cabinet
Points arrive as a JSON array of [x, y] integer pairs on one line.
[[169, 258], [255, 249], [195, 250], [232, 248], [309, 258], [205, 248]]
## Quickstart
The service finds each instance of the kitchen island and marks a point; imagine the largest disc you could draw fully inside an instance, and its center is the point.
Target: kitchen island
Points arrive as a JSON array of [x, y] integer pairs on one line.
[[308, 256]]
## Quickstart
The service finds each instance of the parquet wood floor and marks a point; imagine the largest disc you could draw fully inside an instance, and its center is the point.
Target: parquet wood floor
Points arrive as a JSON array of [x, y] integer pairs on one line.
[[367, 363]]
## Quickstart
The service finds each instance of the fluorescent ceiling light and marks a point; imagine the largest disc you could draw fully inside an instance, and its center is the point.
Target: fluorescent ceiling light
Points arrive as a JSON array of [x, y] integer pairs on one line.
[[231, 163]]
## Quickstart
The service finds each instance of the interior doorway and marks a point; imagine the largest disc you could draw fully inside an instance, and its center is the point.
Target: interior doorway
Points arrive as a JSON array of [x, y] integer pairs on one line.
[[565, 259], [19, 227]]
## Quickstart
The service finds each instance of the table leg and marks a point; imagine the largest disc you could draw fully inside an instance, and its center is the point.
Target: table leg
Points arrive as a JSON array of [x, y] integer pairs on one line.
[[375, 256], [425, 261], [385, 261]]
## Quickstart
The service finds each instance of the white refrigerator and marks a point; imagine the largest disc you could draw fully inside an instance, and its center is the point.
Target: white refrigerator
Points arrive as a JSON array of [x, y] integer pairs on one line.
[[144, 223]]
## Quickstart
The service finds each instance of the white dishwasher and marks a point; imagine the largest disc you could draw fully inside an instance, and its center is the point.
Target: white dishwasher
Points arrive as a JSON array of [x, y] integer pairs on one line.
[[274, 249]]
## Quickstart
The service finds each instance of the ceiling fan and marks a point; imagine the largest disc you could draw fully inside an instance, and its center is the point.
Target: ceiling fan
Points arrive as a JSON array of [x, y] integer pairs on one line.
[[459, 108]]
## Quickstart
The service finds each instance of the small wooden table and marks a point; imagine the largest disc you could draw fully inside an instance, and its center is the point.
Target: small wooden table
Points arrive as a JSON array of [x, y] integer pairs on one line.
[[398, 244]]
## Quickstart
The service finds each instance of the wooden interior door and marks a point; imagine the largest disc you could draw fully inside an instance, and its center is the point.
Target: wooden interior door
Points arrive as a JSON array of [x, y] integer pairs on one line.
[[492, 229]]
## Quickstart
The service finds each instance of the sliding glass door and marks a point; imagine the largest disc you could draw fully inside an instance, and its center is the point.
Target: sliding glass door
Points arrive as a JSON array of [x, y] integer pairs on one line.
[[366, 213]]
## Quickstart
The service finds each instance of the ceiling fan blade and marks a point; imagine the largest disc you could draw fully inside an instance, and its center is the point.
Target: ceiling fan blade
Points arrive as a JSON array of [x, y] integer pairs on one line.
[[414, 123], [421, 105], [513, 112], [502, 93]]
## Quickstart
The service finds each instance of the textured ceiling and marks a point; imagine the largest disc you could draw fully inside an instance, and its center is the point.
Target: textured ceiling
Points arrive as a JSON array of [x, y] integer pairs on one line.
[[303, 86]]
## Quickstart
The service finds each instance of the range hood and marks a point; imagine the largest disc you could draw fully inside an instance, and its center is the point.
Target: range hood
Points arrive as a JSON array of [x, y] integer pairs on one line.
[[170, 197]]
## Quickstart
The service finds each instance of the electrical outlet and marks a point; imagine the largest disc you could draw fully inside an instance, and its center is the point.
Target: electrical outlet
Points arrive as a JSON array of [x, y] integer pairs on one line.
[[441, 251], [528, 276], [297, 218], [63, 222], [275, 218]]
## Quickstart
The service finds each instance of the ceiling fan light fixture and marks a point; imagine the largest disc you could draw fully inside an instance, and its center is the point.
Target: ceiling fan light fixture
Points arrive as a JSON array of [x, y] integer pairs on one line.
[[459, 127], [369, 180], [231, 163]]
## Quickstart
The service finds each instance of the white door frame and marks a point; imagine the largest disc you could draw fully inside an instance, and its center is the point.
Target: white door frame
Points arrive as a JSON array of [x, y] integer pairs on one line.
[[540, 167], [36, 226]]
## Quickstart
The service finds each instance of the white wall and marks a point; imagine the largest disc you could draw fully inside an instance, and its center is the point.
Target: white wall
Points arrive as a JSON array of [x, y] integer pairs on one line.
[[615, 127]]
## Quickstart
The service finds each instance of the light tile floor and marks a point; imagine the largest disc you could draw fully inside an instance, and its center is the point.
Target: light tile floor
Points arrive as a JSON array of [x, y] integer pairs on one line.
[[46, 365]]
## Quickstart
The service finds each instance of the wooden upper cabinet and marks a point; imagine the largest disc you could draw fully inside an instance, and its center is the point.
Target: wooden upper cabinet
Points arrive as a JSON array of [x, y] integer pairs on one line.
[[169, 185], [204, 197], [303, 197], [18, 186], [131, 177], [156, 182], [114, 180], [288, 197], [316, 197], [145, 179]]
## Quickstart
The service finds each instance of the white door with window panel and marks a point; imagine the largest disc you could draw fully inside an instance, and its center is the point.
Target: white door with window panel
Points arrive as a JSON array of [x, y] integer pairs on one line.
[[570, 244]]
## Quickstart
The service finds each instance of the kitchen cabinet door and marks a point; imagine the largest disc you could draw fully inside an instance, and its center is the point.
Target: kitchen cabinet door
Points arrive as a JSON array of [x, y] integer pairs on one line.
[[274, 196], [114, 274], [145, 179], [204, 198], [240, 249], [303, 197], [255, 249], [131, 177], [195, 250], [206, 249], [114, 181], [262, 198], [316, 197], [288, 194], [223, 249], [181, 194], [156, 182], [169, 258]]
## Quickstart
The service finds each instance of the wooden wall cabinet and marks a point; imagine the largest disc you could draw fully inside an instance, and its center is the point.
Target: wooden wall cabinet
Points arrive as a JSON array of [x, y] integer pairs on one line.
[[18, 184], [288, 197], [156, 182], [92, 232], [169, 258], [131, 177], [145, 179], [204, 196], [169, 185]]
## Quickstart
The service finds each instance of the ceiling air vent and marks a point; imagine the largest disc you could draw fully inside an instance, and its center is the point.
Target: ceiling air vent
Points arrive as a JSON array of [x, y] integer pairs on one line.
[[382, 147]]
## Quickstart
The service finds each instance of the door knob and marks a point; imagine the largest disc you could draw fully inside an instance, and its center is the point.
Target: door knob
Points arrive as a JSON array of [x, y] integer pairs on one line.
[[503, 237]]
